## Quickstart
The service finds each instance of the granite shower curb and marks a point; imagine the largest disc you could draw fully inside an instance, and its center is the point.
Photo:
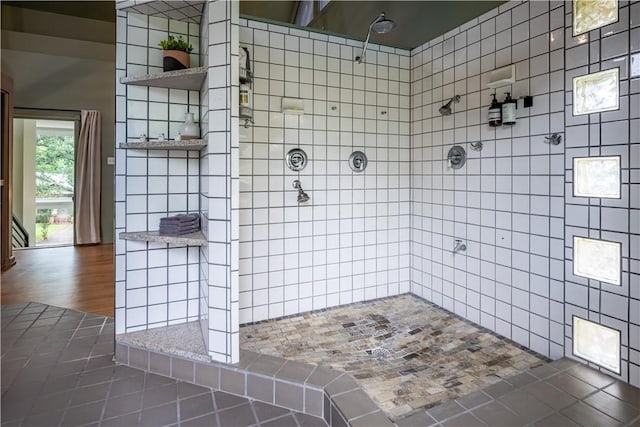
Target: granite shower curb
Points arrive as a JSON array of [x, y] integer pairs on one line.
[[314, 390]]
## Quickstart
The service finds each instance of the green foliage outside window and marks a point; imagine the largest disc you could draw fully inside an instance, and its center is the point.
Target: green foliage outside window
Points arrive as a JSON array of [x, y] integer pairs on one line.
[[54, 166]]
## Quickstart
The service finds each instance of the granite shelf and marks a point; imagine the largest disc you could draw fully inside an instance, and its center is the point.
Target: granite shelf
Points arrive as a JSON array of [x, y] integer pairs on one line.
[[186, 144], [190, 79], [193, 239]]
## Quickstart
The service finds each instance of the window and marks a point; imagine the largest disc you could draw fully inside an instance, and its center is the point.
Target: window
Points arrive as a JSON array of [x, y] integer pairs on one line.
[[596, 177], [305, 13], [596, 343], [596, 92], [308, 10], [591, 14], [597, 259]]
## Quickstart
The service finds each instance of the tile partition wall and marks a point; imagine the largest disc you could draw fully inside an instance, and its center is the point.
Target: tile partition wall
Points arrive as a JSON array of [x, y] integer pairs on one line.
[[220, 183], [350, 242], [156, 285], [509, 202], [613, 133], [204, 184]]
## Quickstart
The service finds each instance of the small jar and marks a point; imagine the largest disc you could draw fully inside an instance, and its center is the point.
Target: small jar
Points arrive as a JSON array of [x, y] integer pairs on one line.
[[189, 130]]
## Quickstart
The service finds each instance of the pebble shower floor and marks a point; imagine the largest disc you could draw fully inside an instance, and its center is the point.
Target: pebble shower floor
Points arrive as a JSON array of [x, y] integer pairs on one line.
[[407, 354]]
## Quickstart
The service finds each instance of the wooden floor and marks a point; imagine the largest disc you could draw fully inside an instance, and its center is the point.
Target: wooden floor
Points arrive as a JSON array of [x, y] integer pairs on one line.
[[76, 277]]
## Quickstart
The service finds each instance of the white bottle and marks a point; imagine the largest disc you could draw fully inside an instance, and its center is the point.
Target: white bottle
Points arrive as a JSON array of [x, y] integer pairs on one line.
[[509, 110], [242, 58]]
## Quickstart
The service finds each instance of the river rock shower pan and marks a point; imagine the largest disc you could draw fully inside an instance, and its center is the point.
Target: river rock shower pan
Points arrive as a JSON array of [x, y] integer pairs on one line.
[[406, 353]]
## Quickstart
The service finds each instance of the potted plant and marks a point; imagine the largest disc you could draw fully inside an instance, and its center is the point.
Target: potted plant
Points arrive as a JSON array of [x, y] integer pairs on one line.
[[175, 55]]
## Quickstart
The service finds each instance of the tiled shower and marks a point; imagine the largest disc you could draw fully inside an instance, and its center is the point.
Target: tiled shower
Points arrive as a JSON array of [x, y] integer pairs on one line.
[[350, 242], [390, 229]]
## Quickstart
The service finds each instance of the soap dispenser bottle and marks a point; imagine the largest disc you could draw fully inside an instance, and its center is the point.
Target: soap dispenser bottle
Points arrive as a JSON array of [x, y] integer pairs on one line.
[[509, 110], [495, 113]]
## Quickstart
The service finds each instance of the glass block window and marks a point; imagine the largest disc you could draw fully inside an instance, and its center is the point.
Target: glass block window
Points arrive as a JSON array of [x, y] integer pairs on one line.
[[596, 92], [596, 343], [596, 177], [591, 14], [597, 259]]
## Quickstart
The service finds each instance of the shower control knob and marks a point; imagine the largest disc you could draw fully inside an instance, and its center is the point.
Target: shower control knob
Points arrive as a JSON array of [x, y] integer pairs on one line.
[[358, 161]]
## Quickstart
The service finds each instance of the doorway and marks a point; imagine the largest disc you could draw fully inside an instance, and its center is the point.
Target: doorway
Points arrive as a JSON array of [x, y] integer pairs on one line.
[[43, 181]]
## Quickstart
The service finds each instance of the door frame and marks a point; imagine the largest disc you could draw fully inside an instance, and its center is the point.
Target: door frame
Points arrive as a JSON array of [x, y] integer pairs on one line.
[[7, 259], [65, 116]]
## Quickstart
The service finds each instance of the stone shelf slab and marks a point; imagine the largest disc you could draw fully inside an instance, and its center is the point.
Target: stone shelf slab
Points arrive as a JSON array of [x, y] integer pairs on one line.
[[185, 144], [189, 79], [184, 340], [192, 239]]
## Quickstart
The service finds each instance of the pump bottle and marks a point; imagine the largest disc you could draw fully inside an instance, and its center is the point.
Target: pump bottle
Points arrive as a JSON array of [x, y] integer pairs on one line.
[[495, 113], [509, 110]]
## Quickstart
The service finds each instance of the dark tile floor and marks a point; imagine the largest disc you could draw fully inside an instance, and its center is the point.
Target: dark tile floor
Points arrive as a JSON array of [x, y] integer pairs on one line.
[[561, 393], [57, 370]]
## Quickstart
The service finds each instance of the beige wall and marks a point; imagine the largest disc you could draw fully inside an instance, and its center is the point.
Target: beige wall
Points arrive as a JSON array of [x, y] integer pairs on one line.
[[65, 72]]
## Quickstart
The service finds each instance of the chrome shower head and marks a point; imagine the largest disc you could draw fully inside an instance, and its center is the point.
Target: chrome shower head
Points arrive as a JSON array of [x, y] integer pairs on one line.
[[445, 110], [302, 196], [381, 25]]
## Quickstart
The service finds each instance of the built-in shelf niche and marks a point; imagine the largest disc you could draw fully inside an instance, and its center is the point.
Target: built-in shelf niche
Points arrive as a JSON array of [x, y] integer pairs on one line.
[[192, 239], [174, 144], [189, 79], [502, 77]]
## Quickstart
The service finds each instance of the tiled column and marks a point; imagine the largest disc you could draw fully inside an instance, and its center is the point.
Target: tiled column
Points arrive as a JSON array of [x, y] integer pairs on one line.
[[221, 195], [612, 302]]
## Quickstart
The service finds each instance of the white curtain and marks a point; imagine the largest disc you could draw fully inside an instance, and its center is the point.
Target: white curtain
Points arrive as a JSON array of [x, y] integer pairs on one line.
[[87, 217]]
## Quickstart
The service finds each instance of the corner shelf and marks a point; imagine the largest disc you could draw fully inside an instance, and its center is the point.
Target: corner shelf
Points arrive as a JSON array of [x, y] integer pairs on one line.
[[184, 144], [189, 79], [192, 239]]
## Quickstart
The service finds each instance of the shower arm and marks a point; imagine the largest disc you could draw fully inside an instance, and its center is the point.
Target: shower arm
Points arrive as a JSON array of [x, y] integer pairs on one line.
[[360, 58]]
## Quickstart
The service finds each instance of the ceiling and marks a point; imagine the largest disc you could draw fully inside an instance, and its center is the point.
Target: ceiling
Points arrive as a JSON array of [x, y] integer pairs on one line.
[[100, 10], [416, 21]]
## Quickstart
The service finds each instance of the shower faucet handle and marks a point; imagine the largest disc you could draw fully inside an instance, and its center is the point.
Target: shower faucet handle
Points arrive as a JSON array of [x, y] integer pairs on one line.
[[459, 246]]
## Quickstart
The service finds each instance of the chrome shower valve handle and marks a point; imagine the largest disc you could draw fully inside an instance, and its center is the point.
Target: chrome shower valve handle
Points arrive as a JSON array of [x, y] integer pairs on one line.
[[459, 246]]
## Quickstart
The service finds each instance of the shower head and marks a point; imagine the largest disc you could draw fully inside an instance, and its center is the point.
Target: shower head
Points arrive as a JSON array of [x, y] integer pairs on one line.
[[381, 25], [445, 110], [302, 196]]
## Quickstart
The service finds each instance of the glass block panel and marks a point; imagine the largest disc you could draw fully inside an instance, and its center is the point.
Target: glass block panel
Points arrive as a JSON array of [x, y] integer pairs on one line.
[[596, 177], [597, 259], [596, 343], [596, 92], [591, 14]]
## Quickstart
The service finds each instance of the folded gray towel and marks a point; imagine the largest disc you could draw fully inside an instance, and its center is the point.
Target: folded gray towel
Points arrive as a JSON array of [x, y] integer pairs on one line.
[[165, 231], [172, 232], [181, 218], [177, 225]]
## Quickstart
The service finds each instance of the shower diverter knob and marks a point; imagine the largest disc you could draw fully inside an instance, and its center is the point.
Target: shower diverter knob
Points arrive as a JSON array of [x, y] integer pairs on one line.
[[358, 161]]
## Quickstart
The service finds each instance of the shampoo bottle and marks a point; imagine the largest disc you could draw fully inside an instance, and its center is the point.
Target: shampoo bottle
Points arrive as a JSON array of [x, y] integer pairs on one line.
[[495, 113], [509, 110]]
